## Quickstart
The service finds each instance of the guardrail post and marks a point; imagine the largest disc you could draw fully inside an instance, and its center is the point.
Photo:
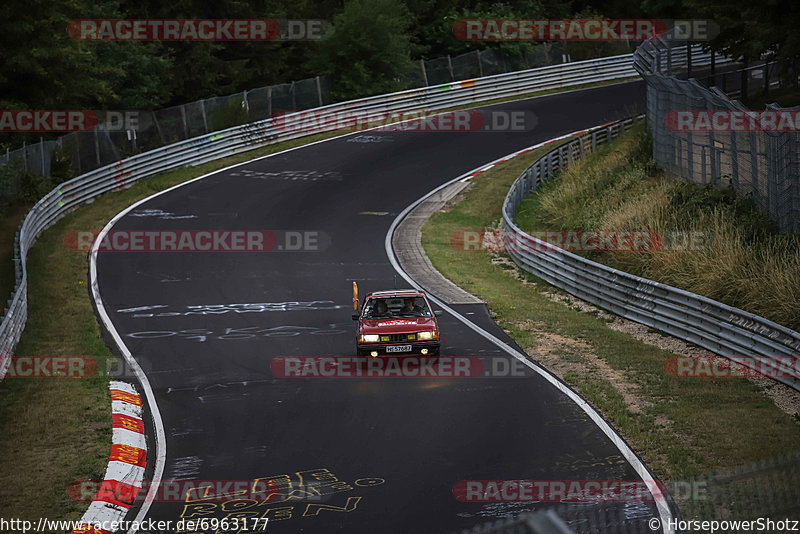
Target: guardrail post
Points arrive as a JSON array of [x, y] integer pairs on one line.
[[241, 138], [96, 147], [319, 92], [734, 162], [703, 163], [41, 145], [713, 79], [158, 127], [688, 59], [185, 125], [203, 114], [754, 166], [715, 326]]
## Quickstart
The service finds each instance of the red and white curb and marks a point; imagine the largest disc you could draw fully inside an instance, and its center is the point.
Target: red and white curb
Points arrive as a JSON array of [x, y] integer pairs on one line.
[[479, 170], [125, 471]]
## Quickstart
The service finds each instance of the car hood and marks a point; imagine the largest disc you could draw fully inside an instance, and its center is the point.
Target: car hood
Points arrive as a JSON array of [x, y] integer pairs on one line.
[[397, 325]]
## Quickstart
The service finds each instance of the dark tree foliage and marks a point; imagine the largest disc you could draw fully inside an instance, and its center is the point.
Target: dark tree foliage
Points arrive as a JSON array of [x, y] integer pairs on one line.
[[374, 44], [752, 30]]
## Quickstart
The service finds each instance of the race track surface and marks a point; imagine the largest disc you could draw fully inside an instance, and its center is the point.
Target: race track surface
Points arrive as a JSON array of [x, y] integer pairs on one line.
[[205, 327]]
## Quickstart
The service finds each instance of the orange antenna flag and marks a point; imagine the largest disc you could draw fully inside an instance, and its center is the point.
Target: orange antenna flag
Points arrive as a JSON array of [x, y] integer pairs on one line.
[[355, 296]]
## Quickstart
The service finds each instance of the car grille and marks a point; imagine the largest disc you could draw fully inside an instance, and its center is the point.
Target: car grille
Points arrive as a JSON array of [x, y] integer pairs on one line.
[[397, 338]]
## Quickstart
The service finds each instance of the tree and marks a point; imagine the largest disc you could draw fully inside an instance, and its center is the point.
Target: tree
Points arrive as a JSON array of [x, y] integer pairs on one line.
[[752, 30], [45, 68], [370, 49]]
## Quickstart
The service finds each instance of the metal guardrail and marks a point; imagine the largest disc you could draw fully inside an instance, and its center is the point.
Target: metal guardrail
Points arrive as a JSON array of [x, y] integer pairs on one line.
[[722, 329], [195, 151], [118, 137], [231, 141]]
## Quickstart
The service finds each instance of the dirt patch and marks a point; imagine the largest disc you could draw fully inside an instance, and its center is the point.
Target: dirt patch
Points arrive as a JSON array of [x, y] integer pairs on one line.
[[563, 356], [786, 398]]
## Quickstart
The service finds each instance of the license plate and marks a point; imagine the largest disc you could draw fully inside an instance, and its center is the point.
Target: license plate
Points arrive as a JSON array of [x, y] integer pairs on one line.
[[398, 348]]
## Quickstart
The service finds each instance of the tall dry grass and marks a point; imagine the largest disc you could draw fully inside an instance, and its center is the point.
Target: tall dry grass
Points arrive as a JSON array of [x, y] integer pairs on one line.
[[715, 244]]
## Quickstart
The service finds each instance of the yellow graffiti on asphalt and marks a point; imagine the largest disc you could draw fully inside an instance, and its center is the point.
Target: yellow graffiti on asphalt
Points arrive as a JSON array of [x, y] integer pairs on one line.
[[309, 493]]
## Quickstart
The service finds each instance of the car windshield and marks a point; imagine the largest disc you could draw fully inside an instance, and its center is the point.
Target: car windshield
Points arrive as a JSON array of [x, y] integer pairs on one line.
[[378, 308]]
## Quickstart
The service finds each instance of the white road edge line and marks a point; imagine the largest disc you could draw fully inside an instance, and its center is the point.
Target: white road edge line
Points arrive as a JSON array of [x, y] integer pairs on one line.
[[160, 437], [663, 508]]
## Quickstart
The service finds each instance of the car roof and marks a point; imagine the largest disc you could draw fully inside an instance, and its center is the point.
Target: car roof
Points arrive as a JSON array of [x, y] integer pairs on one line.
[[396, 293]]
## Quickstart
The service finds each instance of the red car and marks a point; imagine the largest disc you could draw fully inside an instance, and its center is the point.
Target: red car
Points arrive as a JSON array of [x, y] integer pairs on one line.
[[396, 322]]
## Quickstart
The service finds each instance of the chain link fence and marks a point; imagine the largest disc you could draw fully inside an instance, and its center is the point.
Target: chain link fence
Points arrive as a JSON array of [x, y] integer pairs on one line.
[[769, 488], [762, 165], [479, 63], [80, 152]]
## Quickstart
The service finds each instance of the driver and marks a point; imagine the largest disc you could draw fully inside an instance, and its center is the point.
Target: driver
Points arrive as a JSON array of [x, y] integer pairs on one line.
[[410, 307], [381, 309]]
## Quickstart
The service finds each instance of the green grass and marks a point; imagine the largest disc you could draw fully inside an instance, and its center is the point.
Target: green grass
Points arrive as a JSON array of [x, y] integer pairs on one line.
[[682, 428], [739, 258], [55, 430], [9, 223]]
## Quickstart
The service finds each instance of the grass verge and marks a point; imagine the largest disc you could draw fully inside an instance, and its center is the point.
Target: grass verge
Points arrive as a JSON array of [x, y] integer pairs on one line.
[[682, 428], [714, 243], [55, 431], [9, 223]]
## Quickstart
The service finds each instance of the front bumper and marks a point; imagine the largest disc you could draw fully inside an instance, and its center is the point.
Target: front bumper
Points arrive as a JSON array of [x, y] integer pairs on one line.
[[364, 349]]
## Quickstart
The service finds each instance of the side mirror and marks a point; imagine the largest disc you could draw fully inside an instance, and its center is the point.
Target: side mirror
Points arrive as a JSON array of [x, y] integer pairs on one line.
[[437, 313], [355, 317]]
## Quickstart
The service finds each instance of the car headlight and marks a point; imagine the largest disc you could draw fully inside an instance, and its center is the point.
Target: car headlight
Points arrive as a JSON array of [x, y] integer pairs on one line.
[[426, 336], [370, 338]]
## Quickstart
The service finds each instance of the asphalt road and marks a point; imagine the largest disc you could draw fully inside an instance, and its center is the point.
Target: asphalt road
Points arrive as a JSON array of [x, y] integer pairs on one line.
[[206, 326]]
